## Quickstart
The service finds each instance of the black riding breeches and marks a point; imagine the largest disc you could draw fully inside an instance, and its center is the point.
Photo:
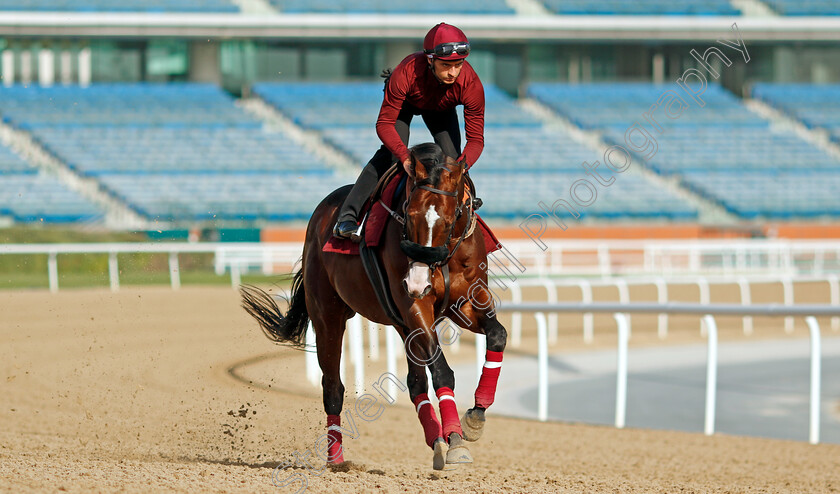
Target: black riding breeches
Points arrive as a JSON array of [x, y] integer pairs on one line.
[[446, 133]]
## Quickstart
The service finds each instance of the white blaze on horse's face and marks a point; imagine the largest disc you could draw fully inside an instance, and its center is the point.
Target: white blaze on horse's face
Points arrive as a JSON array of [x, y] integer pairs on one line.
[[417, 281], [431, 219]]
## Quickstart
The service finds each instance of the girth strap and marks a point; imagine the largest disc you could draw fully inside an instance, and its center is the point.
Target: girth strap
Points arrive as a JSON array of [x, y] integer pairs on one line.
[[376, 275]]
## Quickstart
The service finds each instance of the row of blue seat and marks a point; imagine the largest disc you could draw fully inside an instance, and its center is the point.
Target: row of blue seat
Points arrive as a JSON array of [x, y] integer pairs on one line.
[[142, 105], [474, 7], [151, 6], [805, 7], [95, 151], [233, 196], [725, 144], [642, 7], [499, 7], [817, 106], [36, 198]]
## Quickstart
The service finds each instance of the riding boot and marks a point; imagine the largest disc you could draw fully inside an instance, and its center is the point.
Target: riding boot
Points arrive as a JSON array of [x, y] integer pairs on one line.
[[348, 215]]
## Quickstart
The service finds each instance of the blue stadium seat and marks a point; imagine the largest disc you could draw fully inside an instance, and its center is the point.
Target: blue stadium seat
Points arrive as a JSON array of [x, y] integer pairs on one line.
[[392, 7], [39, 198], [805, 7], [174, 151], [149, 6], [722, 151], [817, 106], [523, 161], [11, 163], [27, 196], [228, 196], [641, 7]]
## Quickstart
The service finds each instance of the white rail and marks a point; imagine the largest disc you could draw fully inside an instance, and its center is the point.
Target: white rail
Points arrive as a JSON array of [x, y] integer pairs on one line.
[[816, 364], [567, 257], [236, 257], [620, 312], [708, 311], [677, 257], [703, 284]]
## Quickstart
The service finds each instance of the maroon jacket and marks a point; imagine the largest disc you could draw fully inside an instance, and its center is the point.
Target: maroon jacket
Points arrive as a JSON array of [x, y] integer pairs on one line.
[[413, 82]]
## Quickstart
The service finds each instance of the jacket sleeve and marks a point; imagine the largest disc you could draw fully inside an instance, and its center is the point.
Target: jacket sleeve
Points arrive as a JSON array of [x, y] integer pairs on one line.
[[395, 93], [473, 121]]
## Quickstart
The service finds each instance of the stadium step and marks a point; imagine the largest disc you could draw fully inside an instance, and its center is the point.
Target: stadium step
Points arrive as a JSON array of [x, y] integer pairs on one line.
[[310, 140], [753, 8], [528, 7], [816, 136], [254, 6]]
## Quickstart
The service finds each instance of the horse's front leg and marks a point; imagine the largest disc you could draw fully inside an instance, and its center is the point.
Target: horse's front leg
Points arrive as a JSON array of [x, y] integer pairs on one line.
[[423, 350], [443, 379], [485, 393]]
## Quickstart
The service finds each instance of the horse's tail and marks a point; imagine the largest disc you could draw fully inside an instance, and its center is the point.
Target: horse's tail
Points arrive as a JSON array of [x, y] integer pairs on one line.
[[290, 328]]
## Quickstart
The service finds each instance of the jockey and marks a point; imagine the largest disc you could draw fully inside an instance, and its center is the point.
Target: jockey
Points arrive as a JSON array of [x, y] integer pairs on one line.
[[431, 84]]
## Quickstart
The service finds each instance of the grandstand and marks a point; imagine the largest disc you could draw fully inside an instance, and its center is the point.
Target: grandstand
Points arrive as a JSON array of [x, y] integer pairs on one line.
[[723, 151], [186, 152], [172, 152], [139, 101], [405, 7], [545, 160], [390, 7]]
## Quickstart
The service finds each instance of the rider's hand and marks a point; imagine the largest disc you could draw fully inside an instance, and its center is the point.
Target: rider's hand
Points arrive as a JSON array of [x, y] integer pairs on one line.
[[407, 167]]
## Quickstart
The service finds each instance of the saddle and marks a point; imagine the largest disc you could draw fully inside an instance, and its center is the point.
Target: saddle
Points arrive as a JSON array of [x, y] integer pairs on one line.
[[389, 189]]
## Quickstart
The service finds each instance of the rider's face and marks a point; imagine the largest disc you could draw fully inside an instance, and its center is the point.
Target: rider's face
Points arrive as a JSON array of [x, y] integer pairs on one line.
[[447, 71]]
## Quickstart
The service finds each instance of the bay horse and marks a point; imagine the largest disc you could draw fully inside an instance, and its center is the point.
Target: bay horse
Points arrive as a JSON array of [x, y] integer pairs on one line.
[[436, 234]]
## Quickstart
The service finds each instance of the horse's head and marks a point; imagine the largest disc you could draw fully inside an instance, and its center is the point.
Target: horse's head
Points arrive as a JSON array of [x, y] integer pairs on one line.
[[433, 208]]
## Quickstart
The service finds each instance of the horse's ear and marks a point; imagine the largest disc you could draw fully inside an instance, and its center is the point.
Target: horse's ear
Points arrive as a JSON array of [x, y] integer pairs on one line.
[[418, 168]]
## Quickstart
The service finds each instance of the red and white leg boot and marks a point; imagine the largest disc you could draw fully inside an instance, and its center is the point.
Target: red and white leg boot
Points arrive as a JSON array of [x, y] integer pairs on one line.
[[485, 394], [335, 451], [458, 452], [431, 429]]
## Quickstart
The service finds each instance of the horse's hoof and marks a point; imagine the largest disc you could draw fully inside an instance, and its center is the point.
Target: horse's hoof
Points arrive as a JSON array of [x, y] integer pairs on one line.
[[472, 424], [439, 460], [458, 452]]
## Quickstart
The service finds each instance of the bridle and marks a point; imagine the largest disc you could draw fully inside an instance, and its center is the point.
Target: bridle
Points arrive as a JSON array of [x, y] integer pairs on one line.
[[440, 255]]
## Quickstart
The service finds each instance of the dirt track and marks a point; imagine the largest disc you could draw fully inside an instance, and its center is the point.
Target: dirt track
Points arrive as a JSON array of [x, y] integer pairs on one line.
[[132, 392]]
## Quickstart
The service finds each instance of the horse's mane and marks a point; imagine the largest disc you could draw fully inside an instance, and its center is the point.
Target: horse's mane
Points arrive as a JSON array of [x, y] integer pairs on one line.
[[433, 160]]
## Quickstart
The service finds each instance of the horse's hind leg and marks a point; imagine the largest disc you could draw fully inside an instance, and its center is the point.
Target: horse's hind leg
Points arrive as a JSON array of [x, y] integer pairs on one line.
[[329, 315], [329, 357]]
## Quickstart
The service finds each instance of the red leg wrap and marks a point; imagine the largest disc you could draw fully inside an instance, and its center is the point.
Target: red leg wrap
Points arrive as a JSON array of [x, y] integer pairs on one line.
[[448, 412], [485, 393], [336, 451], [428, 418]]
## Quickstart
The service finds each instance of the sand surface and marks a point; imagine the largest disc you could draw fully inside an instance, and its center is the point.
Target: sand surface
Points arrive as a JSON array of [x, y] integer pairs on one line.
[[154, 390]]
